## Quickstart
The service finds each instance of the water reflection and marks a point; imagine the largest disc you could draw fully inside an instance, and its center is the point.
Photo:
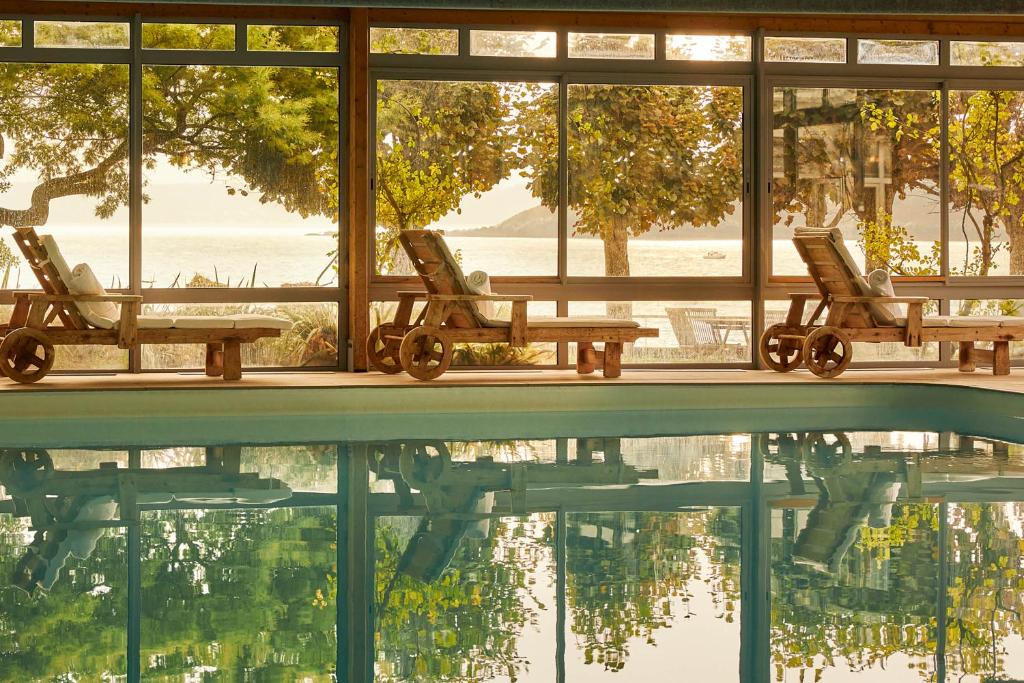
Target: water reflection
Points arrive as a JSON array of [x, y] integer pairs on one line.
[[883, 556]]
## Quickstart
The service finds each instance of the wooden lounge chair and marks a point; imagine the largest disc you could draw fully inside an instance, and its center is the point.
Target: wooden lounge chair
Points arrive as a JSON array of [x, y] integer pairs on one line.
[[56, 316], [858, 314], [424, 346], [692, 329]]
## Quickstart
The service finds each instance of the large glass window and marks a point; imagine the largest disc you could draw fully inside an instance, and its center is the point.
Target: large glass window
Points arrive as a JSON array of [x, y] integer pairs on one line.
[[655, 180], [864, 161], [475, 159], [241, 176]]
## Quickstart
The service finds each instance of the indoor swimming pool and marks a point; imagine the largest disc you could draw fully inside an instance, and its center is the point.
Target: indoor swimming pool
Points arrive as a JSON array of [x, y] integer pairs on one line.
[[819, 555]]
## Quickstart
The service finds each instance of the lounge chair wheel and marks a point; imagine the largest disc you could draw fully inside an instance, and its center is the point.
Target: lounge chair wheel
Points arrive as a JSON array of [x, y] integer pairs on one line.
[[23, 469], [383, 353], [422, 464], [426, 352], [827, 351], [820, 450], [26, 355], [781, 355]]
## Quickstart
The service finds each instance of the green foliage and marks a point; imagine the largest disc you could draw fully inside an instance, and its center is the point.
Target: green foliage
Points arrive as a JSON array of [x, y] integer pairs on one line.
[[465, 626], [987, 175], [437, 142], [623, 591], [230, 590], [76, 631], [498, 354], [275, 128], [640, 158], [892, 247]]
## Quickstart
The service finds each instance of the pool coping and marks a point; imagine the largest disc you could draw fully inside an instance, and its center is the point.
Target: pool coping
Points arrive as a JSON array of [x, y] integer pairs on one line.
[[186, 414]]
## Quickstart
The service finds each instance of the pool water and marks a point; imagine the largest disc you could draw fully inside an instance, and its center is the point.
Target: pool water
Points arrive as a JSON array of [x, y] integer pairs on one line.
[[802, 556]]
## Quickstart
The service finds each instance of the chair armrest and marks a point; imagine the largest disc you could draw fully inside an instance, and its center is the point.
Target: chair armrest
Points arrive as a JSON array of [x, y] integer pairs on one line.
[[415, 294], [479, 297], [116, 298], [880, 299], [806, 296]]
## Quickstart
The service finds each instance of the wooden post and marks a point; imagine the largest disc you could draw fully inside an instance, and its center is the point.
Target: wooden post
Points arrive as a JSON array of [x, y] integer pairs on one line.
[[1001, 358], [915, 320], [20, 313], [128, 327], [232, 359], [612, 359], [214, 359], [358, 185], [518, 324], [37, 313], [586, 358], [966, 360]]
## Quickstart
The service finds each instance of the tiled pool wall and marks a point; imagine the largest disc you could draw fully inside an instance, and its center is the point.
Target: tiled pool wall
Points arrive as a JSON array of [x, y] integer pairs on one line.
[[274, 415]]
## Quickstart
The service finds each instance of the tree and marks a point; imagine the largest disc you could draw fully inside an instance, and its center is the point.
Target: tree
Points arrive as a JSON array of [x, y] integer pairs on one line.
[[986, 144], [855, 153], [640, 158], [437, 142], [275, 128]]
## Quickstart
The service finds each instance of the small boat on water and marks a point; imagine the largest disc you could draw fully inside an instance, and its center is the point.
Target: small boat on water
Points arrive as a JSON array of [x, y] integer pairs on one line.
[[714, 255]]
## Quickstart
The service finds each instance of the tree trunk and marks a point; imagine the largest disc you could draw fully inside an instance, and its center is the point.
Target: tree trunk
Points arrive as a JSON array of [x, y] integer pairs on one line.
[[616, 261], [1014, 224]]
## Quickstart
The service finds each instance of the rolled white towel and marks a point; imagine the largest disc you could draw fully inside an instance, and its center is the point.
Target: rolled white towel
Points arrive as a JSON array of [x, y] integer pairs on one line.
[[880, 284], [479, 282], [101, 314]]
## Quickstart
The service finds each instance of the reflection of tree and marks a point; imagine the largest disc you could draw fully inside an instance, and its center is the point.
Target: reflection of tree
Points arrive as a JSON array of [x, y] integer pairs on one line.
[[857, 151], [464, 626], [880, 602], [986, 591], [230, 590], [76, 630], [627, 570]]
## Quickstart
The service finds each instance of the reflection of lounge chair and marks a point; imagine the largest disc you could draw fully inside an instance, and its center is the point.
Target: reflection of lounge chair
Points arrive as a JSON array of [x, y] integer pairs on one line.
[[847, 501], [70, 509], [459, 496], [424, 347], [74, 309], [693, 329], [859, 312]]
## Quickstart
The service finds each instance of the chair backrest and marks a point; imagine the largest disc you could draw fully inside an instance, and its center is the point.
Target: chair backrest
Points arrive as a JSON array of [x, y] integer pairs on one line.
[[47, 267], [692, 326], [834, 271], [441, 274]]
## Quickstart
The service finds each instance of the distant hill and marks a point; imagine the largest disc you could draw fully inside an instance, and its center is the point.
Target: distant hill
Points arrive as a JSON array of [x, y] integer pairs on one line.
[[539, 221]]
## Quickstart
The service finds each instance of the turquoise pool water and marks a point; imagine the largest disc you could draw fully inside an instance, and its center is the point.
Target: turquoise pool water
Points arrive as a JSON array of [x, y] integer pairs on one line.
[[852, 544]]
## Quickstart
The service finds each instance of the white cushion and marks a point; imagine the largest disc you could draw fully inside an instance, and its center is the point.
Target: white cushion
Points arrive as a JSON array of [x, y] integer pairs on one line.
[[203, 322], [56, 258], [581, 322], [245, 321], [154, 322], [954, 321], [879, 284]]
